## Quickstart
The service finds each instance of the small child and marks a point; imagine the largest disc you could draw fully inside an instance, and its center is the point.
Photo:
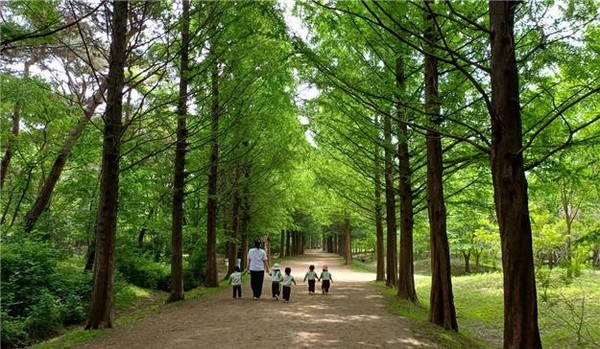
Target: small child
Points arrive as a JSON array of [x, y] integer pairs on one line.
[[287, 282], [276, 277], [312, 277], [326, 280], [235, 280]]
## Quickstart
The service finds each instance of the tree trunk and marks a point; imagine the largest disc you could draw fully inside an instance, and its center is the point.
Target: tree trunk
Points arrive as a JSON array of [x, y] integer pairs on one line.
[[596, 256], [43, 198], [211, 223], [467, 257], [390, 206], [245, 216], [510, 185], [90, 255], [348, 241], [102, 305], [406, 279], [442, 311], [16, 123], [288, 245], [282, 244], [177, 292], [235, 223], [379, 249]]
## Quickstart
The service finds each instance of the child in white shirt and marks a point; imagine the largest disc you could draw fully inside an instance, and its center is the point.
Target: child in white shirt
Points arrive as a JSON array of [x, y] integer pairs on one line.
[[311, 276], [276, 278], [287, 282], [326, 280], [235, 280]]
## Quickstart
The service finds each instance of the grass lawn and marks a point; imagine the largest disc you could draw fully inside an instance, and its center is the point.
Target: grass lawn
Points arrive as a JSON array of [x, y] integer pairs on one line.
[[568, 312]]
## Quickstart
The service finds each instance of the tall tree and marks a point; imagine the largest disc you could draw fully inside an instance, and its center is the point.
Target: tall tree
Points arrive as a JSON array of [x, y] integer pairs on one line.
[[212, 206], [406, 279], [510, 185], [379, 250], [43, 197], [16, 124], [441, 308], [102, 305], [177, 293], [391, 279]]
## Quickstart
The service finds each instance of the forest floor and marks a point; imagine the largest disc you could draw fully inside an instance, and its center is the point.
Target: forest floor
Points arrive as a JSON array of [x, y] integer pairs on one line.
[[353, 315]]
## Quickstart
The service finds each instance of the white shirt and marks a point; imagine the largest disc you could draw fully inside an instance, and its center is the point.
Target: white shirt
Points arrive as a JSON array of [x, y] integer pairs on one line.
[[235, 279], [256, 256], [276, 276], [288, 281]]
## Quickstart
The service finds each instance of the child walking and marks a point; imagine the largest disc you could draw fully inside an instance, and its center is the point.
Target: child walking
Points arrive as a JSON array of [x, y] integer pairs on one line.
[[312, 277], [287, 282], [276, 278], [326, 280], [235, 280]]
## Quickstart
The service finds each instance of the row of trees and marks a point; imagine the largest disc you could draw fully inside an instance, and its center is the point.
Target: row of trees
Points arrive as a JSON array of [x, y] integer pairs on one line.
[[169, 139], [459, 105], [174, 136]]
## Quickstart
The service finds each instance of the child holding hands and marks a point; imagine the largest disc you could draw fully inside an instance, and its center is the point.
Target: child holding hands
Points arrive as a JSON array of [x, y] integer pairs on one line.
[[312, 277], [326, 280], [287, 282]]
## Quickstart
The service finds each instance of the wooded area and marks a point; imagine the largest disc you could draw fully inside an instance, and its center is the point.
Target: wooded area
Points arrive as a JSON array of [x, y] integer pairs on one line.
[[146, 142]]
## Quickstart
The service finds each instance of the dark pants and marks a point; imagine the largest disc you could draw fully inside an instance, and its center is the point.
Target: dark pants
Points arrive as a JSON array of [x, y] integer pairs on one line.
[[237, 290], [275, 289], [311, 286], [256, 282], [286, 293], [325, 286]]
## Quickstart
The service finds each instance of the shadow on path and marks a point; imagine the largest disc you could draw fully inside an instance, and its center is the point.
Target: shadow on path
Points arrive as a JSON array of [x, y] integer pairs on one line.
[[353, 315]]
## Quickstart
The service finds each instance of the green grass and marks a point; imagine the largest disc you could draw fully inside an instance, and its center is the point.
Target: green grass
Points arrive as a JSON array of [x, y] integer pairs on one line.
[[478, 299], [418, 314]]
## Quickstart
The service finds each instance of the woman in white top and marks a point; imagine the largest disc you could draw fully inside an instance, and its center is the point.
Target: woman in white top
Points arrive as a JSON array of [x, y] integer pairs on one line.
[[257, 264]]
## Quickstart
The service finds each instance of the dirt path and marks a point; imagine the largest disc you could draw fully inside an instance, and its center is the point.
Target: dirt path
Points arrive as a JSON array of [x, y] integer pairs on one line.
[[353, 315]]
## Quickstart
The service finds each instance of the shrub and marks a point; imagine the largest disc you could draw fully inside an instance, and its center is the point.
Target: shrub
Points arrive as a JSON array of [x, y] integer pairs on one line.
[[144, 272], [39, 294]]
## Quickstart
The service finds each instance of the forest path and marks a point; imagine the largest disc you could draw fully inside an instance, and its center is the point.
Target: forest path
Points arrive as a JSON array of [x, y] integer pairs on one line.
[[353, 315]]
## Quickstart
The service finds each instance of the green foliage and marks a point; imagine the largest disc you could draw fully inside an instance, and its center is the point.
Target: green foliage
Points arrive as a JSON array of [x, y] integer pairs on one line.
[[569, 309], [41, 292]]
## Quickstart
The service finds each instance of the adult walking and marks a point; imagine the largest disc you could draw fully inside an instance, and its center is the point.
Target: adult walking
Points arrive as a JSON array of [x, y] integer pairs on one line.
[[257, 264]]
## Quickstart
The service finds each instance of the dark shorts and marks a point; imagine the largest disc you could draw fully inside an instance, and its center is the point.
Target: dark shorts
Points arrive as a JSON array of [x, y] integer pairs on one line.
[[325, 285], [287, 291]]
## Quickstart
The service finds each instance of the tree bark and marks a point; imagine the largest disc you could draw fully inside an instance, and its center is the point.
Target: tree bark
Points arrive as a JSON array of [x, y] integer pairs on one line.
[[245, 215], [211, 224], [510, 184], [467, 257], [348, 241], [235, 222], [102, 305], [380, 276], [16, 122], [390, 206], [406, 279], [442, 311], [43, 199], [177, 290]]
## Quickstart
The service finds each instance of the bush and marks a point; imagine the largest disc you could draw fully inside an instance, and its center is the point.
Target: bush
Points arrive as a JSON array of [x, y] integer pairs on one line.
[[144, 272], [40, 292], [194, 269]]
